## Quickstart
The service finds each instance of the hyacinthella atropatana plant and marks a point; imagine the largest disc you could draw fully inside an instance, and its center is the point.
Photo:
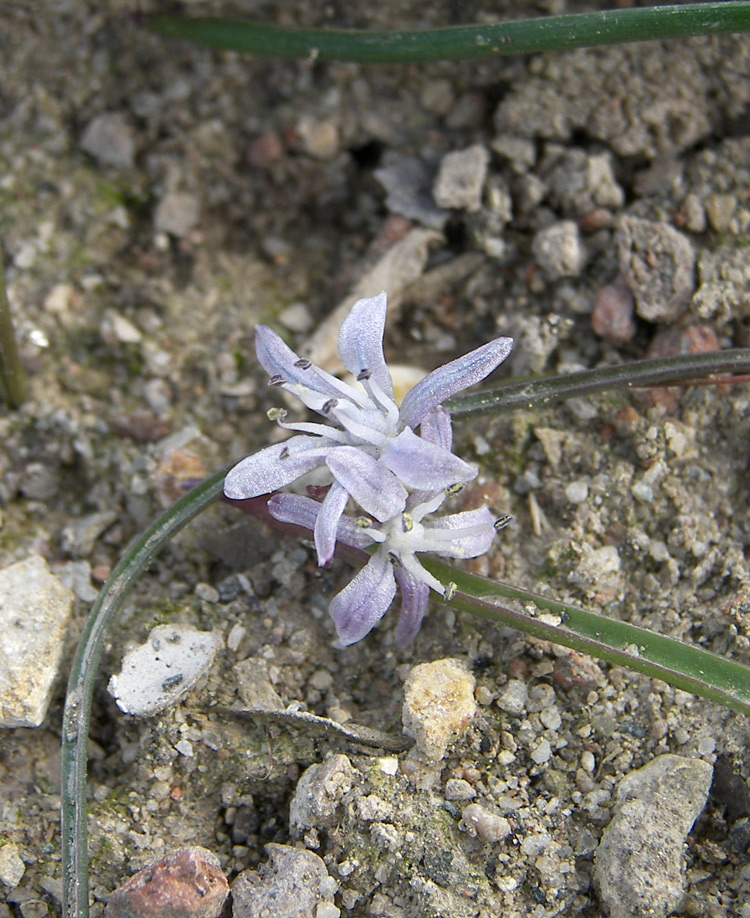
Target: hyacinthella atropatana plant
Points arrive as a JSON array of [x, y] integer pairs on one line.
[[682, 665], [395, 463]]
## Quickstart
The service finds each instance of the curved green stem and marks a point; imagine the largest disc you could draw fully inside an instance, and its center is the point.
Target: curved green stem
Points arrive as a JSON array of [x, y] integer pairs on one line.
[[84, 670], [638, 374], [549, 33], [682, 665]]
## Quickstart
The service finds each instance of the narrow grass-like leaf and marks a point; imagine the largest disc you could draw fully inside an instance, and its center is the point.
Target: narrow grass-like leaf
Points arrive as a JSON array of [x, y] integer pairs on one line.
[[682, 665], [549, 33], [638, 374], [83, 674], [12, 375]]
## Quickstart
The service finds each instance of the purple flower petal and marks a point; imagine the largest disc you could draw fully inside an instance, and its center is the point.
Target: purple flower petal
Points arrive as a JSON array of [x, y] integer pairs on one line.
[[472, 533], [294, 509], [302, 376], [436, 428], [415, 597], [421, 464], [363, 602], [361, 341], [303, 511], [454, 377], [372, 486], [275, 466], [327, 522]]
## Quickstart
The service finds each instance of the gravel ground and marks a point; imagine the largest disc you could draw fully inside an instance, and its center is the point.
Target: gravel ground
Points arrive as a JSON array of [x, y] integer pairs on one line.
[[159, 200]]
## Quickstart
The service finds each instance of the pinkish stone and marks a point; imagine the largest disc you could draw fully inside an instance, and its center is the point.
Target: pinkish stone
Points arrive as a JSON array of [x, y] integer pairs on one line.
[[613, 317], [186, 884]]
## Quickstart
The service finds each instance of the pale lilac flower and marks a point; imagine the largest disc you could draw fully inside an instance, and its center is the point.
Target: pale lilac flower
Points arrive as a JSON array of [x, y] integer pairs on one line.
[[364, 601], [373, 453]]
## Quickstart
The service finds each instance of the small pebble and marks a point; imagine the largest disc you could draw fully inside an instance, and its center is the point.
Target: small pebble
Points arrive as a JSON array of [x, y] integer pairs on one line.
[[577, 492], [542, 752], [160, 672], [207, 593], [439, 705], [12, 867], [559, 250], [294, 883], [35, 609], [317, 798], [613, 317], [478, 822], [177, 214], [513, 697], [320, 137], [460, 180], [188, 884], [109, 139], [657, 262], [458, 789], [640, 862]]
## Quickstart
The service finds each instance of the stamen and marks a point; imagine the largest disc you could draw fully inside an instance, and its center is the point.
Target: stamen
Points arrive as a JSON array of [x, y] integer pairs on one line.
[[363, 375], [329, 405], [454, 489], [503, 521], [363, 522], [407, 522], [450, 591], [303, 363], [284, 454], [277, 380], [276, 414], [394, 559]]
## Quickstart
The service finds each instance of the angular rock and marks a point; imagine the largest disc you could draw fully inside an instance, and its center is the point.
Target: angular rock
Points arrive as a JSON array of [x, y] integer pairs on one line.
[[438, 706], [319, 792], [109, 139], [34, 612], [186, 884], [293, 884], [177, 213], [658, 264], [640, 862], [559, 250], [12, 867], [460, 179]]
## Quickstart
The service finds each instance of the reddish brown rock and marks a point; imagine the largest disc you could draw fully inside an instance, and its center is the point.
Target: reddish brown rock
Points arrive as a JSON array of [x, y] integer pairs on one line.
[[186, 884]]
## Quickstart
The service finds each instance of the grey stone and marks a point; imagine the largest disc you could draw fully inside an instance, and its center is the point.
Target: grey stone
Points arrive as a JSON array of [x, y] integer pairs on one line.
[[461, 177], [657, 262], [79, 536], [109, 139], [640, 862], [293, 884], [559, 250], [177, 214], [407, 182], [35, 609], [513, 697], [319, 792], [254, 685]]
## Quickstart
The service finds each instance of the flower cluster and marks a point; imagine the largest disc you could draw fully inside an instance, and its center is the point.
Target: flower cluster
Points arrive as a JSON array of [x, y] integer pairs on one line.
[[395, 463]]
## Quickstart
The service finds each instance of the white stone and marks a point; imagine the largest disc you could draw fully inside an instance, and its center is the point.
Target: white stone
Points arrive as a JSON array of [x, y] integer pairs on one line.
[[34, 612], [157, 674]]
